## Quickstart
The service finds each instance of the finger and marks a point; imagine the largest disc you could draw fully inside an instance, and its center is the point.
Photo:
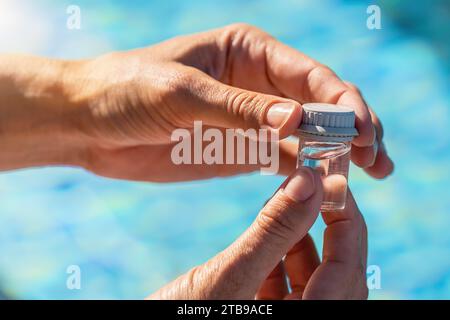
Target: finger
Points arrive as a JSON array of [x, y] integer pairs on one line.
[[221, 105], [301, 78], [380, 167], [275, 285], [364, 157], [373, 159], [283, 221], [342, 273], [300, 263]]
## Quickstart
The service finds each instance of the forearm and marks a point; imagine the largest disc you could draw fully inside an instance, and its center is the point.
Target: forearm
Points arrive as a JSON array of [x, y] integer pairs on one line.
[[38, 123]]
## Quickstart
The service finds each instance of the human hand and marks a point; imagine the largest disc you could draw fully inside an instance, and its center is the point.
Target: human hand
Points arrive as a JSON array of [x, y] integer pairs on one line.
[[228, 78], [116, 113], [253, 266]]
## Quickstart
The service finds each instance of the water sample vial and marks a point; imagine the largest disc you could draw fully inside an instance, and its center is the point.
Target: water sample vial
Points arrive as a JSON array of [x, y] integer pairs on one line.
[[325, 135]]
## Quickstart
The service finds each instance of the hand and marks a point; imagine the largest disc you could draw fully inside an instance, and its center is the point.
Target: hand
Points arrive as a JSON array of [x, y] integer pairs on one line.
[[253, 266], [116, 113]]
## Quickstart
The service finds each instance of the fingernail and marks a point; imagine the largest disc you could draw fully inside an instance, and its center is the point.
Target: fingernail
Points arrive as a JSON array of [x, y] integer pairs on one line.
[[383, 149], [390, 163], [301, 185], [375, 148], [279, 113]]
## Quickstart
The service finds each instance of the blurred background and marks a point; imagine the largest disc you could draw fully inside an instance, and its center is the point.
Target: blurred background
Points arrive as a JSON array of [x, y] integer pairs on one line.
[[131, 238]]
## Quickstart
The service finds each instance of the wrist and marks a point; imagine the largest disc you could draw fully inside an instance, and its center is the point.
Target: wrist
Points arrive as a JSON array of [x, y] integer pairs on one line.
[[39, 123]]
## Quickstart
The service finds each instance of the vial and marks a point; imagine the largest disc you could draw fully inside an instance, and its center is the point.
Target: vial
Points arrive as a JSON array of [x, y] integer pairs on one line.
[[325, 136]]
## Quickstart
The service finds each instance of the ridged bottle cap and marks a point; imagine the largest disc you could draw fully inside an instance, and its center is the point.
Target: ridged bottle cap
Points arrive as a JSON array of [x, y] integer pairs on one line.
[[328, 120]]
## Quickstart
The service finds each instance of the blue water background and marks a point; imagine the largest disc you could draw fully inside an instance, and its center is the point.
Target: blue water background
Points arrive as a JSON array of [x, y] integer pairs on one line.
[[131, 238]]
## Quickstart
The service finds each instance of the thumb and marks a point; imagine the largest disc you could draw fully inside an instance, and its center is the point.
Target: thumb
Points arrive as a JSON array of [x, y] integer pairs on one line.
[[284, 221], [221, 105]]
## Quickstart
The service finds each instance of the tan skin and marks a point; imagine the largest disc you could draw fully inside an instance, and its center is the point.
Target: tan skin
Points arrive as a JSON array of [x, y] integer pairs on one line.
[[114, 115]]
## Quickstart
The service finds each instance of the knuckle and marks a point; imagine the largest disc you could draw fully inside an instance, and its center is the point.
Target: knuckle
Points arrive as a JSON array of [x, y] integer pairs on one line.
[[301, 245], [192, 278], [277, 219], [179, 85], [239, 31], [323, 71], [250, 106], [353, 87], [317, 75], [241, 26]]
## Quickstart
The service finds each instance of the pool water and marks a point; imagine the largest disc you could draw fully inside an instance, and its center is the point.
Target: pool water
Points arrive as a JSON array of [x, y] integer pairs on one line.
[[131, 238]]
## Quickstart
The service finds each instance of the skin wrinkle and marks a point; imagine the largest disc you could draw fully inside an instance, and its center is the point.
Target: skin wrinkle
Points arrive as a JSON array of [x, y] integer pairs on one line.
[[339, 95], [220, 271], [134, 119], [349, 91], [162, 116], [203, 90], [299, 246], [273, 226], [283, 226], [239, 102], [240, 254], [125, 116]]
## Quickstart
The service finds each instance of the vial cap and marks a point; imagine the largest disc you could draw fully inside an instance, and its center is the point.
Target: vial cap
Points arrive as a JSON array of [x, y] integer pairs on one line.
[[330, 120]]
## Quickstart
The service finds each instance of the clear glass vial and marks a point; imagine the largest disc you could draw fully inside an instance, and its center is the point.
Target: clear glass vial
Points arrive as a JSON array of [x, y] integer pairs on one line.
[[325, 136]]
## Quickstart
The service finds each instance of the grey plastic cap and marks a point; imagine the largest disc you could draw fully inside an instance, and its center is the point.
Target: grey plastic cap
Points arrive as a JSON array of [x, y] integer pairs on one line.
[[328, 120]]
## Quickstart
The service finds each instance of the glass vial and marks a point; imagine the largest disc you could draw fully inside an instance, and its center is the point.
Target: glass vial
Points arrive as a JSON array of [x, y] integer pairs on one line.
[[325, 136]]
